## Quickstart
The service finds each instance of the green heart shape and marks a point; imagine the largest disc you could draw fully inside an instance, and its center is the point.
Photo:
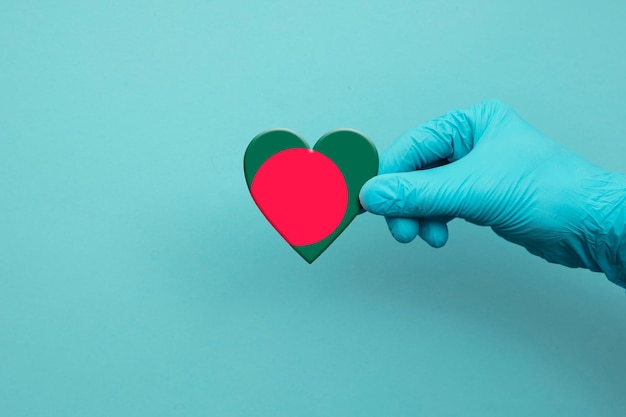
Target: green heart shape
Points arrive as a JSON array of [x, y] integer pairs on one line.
[[351, 151]]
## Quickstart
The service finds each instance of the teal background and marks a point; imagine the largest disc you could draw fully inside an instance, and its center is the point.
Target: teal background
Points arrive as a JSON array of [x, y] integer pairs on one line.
[[137, 277]]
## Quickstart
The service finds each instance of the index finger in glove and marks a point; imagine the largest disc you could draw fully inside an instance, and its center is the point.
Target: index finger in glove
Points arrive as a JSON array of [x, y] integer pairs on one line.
[[441, 140]]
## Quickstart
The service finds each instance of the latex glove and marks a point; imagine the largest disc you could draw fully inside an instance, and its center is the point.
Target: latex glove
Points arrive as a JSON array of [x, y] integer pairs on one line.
[[496, 170]]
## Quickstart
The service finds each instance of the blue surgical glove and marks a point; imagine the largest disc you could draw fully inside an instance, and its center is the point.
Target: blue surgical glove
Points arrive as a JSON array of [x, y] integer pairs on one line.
[[485, 164]]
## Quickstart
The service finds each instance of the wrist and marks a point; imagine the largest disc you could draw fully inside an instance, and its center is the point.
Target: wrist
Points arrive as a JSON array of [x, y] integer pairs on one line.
[[610, 240]]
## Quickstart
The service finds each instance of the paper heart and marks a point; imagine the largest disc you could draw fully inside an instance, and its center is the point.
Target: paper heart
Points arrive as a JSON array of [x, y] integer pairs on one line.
[[309, 195]]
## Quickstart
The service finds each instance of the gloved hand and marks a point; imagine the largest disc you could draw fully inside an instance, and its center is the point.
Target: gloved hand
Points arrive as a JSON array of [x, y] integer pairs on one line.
[[488, 166]]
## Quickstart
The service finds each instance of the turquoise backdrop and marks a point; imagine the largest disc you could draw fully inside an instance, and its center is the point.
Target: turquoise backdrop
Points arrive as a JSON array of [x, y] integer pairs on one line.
[[138, 278]]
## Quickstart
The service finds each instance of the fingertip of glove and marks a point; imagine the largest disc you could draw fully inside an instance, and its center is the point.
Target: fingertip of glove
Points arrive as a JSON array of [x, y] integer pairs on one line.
[[404, 230], [436, 239], [404, 236], [372, 195]]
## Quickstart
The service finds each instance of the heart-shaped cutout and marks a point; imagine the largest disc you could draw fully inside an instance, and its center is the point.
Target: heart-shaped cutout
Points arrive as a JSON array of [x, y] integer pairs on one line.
[[309, 195]]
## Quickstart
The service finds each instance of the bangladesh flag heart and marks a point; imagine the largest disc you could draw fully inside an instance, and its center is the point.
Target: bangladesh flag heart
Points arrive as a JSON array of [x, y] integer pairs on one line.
[[309, 195]]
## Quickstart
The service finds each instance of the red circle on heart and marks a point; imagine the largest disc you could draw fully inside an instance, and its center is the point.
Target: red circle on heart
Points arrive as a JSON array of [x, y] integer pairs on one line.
[[302, 193]]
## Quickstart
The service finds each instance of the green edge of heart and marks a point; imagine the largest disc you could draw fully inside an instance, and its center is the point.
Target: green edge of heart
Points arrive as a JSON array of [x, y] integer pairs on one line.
[[354, 154]]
